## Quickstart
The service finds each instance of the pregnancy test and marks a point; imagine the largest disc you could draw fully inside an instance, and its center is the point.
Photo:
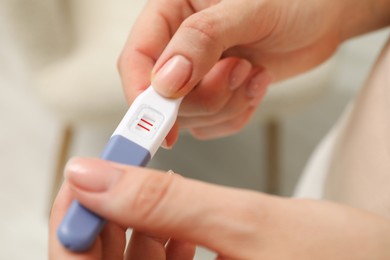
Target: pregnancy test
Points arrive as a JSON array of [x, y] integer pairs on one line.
[[134, 142]]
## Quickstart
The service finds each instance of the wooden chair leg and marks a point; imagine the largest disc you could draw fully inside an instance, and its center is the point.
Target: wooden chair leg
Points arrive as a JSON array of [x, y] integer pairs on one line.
[[272, 134], [63, 156]]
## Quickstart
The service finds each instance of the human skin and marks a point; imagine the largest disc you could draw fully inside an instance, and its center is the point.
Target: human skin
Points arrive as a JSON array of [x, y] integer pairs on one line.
[[271, 40], [234, 223], [267, 40]]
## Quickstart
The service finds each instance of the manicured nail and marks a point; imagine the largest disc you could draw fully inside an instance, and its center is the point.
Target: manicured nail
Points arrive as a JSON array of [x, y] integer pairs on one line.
[[91, 175], [165, 145], [258, 84], [239, 73], [173, 75]]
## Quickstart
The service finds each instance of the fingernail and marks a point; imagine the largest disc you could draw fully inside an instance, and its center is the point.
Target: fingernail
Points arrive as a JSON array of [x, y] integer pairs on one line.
[[170, 172], [258, 84], [91, 175], [165, 145], [173, 75], [239, 73]]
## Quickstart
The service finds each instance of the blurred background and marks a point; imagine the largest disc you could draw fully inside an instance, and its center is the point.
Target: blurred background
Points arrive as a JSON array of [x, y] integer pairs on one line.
[[60, 96]]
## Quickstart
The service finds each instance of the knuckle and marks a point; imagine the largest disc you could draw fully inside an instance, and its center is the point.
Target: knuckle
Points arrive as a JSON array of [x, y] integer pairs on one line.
[[151, 194], [212, 100], [203, 24], [210, 106]]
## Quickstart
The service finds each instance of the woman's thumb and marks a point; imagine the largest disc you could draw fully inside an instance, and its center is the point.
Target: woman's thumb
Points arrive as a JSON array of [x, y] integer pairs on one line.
[[196, 47], [168, 205]]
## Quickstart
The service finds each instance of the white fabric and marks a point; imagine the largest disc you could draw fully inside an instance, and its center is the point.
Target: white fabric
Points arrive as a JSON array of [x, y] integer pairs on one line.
[[352, 165], [312, 181]]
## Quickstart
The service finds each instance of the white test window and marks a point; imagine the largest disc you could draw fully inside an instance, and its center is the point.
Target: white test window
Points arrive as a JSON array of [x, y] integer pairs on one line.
[[146, 122]]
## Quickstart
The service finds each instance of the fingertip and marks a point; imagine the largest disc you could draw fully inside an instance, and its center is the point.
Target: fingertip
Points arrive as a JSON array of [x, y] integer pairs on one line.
[[134, 69], [257, 87], [60, 206], [172, 137], [173, 76], [61, 203], [239, 73]]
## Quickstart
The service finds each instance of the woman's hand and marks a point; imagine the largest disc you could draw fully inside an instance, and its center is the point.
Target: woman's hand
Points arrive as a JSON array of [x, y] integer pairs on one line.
[[234, 223], [223, 54]]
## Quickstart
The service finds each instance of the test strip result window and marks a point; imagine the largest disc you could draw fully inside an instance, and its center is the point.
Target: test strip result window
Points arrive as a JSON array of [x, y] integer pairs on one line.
[[146, 122]]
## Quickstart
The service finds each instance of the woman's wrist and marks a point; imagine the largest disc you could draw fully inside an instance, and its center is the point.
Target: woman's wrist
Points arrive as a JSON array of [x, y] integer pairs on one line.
[[359, 17]]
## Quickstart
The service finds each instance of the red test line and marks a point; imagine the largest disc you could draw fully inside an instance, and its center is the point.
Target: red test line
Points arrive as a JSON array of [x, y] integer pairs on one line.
[[143, 120], [147, 129]]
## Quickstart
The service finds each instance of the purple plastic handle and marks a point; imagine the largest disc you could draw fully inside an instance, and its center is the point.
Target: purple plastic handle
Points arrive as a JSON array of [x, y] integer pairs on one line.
[[80, 226]]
